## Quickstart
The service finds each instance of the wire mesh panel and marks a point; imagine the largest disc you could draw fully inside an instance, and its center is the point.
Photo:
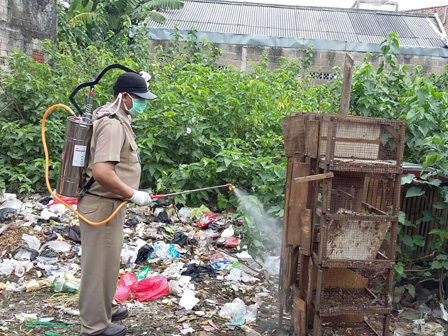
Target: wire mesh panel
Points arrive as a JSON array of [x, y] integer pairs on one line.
[[357, 217], [361, 194], [351, 242], [361, 144]]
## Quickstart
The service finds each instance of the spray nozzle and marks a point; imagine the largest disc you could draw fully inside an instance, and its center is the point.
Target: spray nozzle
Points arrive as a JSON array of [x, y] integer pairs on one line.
[[230, 186]]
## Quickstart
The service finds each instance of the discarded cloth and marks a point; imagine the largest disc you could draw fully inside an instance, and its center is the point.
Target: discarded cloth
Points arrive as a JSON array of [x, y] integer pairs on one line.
[[194, 271], [180, 239], [143, 254]]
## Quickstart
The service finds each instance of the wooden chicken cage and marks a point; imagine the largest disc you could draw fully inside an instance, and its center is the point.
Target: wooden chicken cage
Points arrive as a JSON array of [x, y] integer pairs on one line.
[[342, 201]]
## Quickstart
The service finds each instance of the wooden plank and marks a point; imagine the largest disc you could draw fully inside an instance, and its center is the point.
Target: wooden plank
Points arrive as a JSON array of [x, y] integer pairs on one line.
[[316, 177], [393, 132], [301, 309], [293, 266], [305, 232], [293, 228], [297, 201], [285, 253], [312, 138], [319, 287], [328, 146], [294, 135], [340, 277], [346, 85]]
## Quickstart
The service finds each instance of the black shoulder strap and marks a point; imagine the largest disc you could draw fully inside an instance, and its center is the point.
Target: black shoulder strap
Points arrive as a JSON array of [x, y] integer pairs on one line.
[[86, 187]]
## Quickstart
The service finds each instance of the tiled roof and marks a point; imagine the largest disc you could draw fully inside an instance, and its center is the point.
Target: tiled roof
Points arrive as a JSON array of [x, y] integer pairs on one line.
[[312, 23]]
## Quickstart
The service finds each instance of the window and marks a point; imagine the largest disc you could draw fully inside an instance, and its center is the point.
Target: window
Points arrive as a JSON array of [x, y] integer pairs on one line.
[[324, 75]]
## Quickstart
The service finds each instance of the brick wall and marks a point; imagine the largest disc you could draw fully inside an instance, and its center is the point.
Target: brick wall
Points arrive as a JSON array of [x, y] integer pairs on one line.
[[24, 22], [324, 61], [442, 12]]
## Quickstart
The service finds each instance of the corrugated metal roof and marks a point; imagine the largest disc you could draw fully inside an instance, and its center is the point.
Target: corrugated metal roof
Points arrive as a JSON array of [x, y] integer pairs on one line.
[[365, 24], [313, 23]]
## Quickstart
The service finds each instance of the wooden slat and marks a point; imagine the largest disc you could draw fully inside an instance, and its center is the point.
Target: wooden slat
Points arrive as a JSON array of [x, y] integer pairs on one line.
[[297, 201], [285, 251], [294, 135], [312, 138], [393, 132], [299, 316], [311, 178], [305, 231]]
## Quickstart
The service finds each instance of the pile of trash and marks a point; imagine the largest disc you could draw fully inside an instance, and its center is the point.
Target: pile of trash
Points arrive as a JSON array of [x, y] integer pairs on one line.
[[188, 261]]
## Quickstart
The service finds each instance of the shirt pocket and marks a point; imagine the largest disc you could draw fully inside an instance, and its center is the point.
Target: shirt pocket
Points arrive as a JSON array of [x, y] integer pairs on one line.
[[133, 154]]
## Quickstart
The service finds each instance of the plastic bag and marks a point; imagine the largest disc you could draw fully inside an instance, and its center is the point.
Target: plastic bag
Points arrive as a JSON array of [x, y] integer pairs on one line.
[[12, 203], [174, 270], [58, 246], [32, 241], [7, 266], [69, 200], [232, 242], [188, 300], [178, 287], [227, 233], [143, 254], [24, 253], [124, 285], [143, 273], [206, 219], [164, 252], [150, 289], [234, 311]]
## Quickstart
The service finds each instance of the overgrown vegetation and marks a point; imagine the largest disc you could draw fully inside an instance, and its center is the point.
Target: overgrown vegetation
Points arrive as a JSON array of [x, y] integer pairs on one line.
[[211, 126], [107, 23], [392, 91]]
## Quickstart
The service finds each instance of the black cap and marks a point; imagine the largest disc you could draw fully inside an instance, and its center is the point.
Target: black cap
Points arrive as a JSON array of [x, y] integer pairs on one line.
[[132, 82]]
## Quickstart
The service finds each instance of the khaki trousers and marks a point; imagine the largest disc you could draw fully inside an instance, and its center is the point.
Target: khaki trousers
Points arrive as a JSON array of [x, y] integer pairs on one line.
[[100, 262]]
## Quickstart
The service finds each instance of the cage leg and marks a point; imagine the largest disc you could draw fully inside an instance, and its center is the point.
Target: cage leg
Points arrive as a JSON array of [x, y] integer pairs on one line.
[[317, 325]]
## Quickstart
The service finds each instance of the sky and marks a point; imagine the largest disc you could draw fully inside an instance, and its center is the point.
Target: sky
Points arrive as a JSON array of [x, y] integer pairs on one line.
[[402, 4]]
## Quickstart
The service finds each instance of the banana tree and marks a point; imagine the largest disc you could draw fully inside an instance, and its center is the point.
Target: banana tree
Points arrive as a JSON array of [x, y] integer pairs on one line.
[[104, 20]]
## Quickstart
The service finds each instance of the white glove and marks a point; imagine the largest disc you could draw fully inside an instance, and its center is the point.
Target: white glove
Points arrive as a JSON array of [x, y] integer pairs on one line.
[[141, 198]]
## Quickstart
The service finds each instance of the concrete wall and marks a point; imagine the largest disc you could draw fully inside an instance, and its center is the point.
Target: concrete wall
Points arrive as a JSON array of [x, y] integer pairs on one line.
[[323, 63], [24, 22]]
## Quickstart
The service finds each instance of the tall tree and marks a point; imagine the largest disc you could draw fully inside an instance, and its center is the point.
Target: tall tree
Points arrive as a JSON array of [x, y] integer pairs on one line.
[[105, 21]]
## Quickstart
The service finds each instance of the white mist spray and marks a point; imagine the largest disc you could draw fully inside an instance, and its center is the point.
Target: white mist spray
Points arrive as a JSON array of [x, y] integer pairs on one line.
[[268, 226]]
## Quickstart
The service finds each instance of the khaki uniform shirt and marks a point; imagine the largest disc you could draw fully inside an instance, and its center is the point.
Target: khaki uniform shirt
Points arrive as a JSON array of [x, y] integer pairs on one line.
[[114, 141]]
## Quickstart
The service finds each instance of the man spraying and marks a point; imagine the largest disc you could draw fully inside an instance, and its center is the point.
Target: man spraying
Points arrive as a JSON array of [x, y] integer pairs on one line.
[[113, 175]]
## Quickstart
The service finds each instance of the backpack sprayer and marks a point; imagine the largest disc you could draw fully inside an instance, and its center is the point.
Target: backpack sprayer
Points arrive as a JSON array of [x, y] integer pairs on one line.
[[76, 149]]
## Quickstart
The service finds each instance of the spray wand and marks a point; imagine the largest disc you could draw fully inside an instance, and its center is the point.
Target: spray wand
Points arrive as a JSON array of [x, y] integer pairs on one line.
[[228, 185]]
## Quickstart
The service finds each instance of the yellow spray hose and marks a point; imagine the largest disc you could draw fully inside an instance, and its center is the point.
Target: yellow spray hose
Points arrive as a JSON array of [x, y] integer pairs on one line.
[[47, 180]]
